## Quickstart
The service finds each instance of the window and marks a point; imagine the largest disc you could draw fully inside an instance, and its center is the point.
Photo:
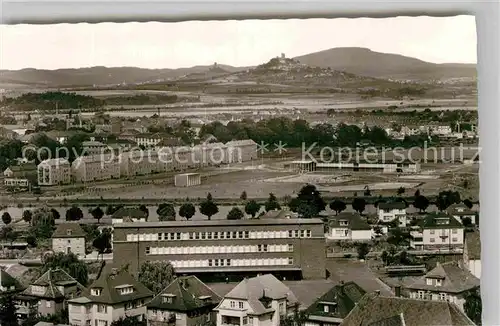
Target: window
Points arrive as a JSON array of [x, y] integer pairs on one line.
[[196, 235], [432, 231], [432, 240], [95, 292], [233, 304], [245, 320], [302, 233], [264, 247], [259, 248], [209, 235], [210, 262], [454, 239], [326, 308], [290, 261], [442, 296], [240, 305], [290, 247], [290, 234], [428, 281], [240, 235], [178, 235], [222, 235], [216, 235], [443, 240], [228, 235], [101, 308], [47, 304], [160, 236], [148, 250], [228, 262], [308, 233], [420, 295], [191, 236], [247, 234], [439, 282], [454, 231]]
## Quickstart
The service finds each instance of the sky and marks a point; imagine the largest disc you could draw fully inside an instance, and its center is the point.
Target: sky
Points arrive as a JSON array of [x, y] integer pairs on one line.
[[236, 43]]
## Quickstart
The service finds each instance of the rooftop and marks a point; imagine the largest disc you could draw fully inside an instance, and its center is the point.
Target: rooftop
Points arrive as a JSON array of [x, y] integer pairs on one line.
[[51, 280], [129, 212], [433, 221], [392, 205], [354, 221], [68, 230]]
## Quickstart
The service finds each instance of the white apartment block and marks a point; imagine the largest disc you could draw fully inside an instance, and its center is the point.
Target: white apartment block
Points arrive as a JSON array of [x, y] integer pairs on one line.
[[93, 147], [144, 162], [389, 212], [96, 167], [241, 151], [438, 232], [148, 140], [54, 172]]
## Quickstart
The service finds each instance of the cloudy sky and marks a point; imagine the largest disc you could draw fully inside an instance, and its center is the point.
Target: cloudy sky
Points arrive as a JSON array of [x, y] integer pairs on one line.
[[237, 43]]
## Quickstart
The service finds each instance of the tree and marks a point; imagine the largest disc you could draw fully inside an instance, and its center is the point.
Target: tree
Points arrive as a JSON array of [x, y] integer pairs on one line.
[[447, 198], [401, 190], [187, 210], [468, 203], [129, 321], [252, 208], [338, 206], [308, 202], [272, 203], [27, 216], [208, 208], [55, 214], [166, 212], [362, 249], [42, 223], [386, 258], [6, 218], [298, 318], [209, 196], [235, 214], [103, 242], [473, 306], [8, 234], [467, 221], [358, 204], [417, 193], [69, 263], [145, 210], [156, 275], [31, 241], [367, 192], [8, 311], [74, 213], [97, 213], [421, 203], [243, 195]]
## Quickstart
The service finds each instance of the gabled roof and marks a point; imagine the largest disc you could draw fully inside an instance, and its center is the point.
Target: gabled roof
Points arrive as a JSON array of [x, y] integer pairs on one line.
[[109, 279], [455, 279], [473, 244], [345, 296], [51, 279], [188, 293], [7, 281], [392, 205], [282, 213], [397, 320], [373, 309], [431, 222], [68, 230], [354, 220], [129, 212], [255, 288]]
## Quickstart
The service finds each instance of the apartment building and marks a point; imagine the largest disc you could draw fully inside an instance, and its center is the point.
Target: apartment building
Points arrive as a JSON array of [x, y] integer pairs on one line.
[[54, 172], [69, 237], [96, 167], [450, 282], [295, 247], [144, 162], [241, 151], [114, 295], [48, 294], [149, 140], [258, 301], [437, 232], [186, 301], [394, 211], [461, 212], [93, 147]]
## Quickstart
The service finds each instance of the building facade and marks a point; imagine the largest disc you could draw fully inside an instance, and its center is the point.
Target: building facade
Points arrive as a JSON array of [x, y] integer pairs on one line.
[[69, 237], [389, 212], [54, 172], [187, 180], [241, 151], [114, 295], [95, 168], [225, 246], [144, 162], [438, 232], [381, 167], [348, 226]]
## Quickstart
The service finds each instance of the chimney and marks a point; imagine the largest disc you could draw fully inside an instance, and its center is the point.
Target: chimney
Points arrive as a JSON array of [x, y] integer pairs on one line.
[[397, 291]]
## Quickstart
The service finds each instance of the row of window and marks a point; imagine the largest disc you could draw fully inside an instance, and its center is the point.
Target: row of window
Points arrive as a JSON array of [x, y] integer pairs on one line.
[[425, 296], [219, 235], [444, 231], [444, 240], [219, 249], [232, 262]]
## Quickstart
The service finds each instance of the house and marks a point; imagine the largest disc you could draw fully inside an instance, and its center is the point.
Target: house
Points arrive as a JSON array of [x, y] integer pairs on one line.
[[48, 293], [437, 232], [150, 140], [114, 295], [460, 212], [348, 226], [394, 211], [8, 284], [472, 253], [449, 282], [257, 301], [333, 306], [377, 310], [54, 172], [129, 213], [69, 237], [184, 302], [26, 170]]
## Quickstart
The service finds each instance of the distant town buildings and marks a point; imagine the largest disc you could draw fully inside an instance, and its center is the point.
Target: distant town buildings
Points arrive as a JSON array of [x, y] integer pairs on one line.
[[54, 172], [95, 168]]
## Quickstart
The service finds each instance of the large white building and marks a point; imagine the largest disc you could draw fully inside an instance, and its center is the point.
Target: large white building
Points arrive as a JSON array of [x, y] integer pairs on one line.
[[241, 151], [439, 232], [96, 167], [395, 211], [258, 301], [54, 172]]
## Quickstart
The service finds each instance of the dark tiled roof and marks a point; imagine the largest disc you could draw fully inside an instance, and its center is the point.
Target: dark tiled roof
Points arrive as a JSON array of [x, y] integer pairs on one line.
[[279, 214], [345, 296], [373, 308], [473, 244], [187, 293], [7, 281], [431, 221], [354, 220], [51, 280], [69, 230], [392, 205], [111, 278], [397, 320], [129, 212], [170, 142], [455, 279]]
